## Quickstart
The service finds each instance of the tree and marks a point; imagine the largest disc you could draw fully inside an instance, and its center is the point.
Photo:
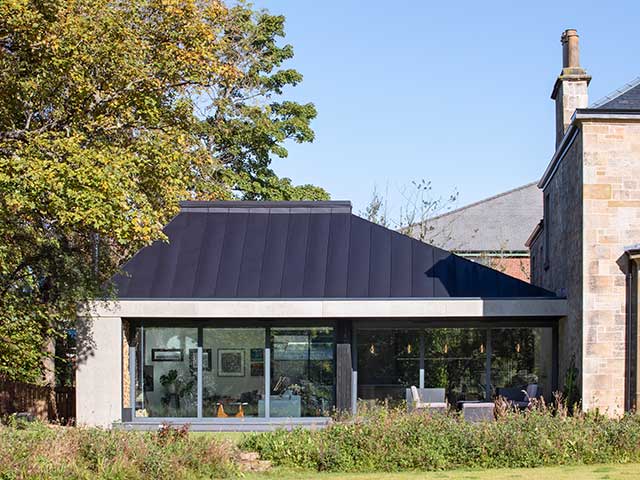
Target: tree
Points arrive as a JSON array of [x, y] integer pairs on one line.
[[418, 207], [110, 113]]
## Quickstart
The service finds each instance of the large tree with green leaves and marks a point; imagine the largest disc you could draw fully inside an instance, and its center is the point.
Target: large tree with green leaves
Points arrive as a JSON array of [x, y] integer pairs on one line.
[[111, 111]]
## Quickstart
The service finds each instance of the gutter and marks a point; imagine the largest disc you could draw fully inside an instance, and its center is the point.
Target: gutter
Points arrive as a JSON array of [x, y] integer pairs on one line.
[[536, 232]]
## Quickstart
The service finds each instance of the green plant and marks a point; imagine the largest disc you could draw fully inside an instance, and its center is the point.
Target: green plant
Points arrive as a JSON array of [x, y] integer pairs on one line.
[[41, 451], [392, 440], [571, 388]]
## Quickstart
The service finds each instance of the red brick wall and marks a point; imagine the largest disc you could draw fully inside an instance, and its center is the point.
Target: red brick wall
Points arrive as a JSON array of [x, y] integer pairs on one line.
[[518, 267]]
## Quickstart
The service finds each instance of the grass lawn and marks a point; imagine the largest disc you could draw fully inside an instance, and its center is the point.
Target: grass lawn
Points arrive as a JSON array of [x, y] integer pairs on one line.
[[590, 472]]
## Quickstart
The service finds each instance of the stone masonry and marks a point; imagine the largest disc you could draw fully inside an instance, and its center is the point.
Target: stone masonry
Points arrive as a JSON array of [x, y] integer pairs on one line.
[[592, 212]]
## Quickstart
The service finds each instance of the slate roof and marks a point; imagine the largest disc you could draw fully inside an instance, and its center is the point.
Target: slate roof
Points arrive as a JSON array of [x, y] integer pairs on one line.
[[499, 223], [228, 250], [624, 98]]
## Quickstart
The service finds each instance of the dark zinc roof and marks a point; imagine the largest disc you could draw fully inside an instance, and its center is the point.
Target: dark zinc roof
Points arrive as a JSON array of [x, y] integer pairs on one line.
[[300, 250]]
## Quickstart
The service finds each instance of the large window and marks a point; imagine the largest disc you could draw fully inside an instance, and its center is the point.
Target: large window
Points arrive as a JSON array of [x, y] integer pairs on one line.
[[455, 359], [211, 371], [233, 372], [166, 380], [388, 363], [302, 372], [469, 363], [520, 359]]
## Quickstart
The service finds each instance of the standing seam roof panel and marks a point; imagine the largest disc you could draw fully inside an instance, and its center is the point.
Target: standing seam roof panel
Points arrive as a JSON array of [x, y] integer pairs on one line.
[[296, 250]]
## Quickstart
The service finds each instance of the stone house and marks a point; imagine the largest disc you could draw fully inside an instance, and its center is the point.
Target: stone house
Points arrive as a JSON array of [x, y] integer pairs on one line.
[[585, 248]]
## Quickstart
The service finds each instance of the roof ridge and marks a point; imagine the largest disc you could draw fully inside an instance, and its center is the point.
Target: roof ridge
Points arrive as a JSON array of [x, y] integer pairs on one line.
[[616, 93], [484, 200], [191, 205]]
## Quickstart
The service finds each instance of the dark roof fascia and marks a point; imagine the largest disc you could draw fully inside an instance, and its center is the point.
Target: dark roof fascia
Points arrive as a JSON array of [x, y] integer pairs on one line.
[[605, 114], [243, 206], [565, 144], [266, 204], [535, 234]]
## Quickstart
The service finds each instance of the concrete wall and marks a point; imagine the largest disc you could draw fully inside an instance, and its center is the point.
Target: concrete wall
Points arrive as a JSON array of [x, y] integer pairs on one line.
[[99, 371]]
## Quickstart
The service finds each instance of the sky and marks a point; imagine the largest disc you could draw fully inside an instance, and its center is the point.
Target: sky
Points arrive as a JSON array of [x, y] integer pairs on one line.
[[456, 93]]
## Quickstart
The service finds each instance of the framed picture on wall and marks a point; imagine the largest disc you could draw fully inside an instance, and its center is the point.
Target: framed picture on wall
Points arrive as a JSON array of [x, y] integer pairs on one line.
[[257, 369], [230, 362], [167, 355], [207, 361], [257, 354]]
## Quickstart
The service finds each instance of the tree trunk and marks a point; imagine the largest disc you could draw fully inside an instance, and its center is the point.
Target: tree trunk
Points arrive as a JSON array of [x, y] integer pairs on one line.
[[49, 376]]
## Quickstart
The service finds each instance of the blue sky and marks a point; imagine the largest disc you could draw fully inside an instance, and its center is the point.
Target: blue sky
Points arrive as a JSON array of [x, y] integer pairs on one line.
[[453, 92]]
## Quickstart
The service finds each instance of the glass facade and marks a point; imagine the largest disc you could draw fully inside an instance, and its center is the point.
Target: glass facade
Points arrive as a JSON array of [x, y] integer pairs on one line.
[[455, 360], [469, 363], [521, 357], [232, 372], [213, 372], [302, 372], [290, 371], [166, 379], [388, 361]]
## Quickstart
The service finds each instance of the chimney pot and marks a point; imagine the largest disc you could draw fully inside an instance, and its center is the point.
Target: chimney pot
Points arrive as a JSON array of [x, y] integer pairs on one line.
[[570, 49]]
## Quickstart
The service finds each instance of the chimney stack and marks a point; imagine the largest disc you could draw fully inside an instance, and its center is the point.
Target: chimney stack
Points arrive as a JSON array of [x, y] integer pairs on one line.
[[570, 49], [570, 90]]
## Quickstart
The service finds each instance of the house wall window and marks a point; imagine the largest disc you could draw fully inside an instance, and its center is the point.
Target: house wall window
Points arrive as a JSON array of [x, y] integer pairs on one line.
[[388, 363], [455, 359], [469, 363], [521, 357], [302, 372], [216, 372], [232, 372], [166, 381]]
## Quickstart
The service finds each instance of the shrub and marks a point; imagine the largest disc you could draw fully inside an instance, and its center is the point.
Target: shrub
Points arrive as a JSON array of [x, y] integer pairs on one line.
[[42, 451], [392, 440]]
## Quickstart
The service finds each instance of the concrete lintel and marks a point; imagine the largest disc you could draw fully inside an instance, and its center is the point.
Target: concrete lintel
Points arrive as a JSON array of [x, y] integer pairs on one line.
[[332, 308]]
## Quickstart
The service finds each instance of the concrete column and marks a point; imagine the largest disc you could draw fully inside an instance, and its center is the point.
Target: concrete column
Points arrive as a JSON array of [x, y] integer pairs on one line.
[[99, 371]]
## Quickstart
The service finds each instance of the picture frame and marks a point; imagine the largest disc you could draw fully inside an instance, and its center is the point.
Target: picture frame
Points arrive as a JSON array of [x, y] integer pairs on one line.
[[231, 362], [167, 355], [257, 354], [257, 369], [207, 360]]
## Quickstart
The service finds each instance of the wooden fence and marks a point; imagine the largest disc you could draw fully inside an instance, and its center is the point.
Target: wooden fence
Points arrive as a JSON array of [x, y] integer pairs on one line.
[[36, 400]]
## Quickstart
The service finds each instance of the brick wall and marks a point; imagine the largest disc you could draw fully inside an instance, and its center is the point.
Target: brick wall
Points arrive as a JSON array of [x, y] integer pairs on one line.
[[518, 267]]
